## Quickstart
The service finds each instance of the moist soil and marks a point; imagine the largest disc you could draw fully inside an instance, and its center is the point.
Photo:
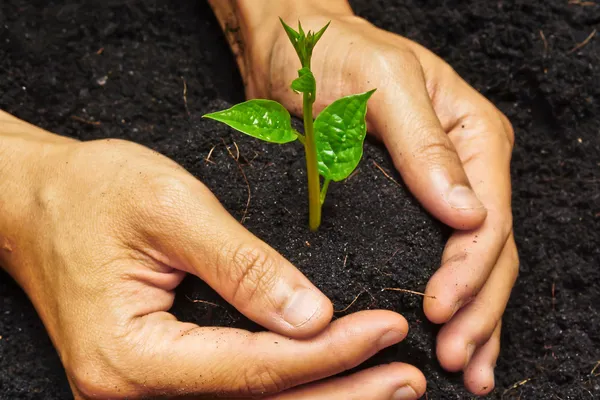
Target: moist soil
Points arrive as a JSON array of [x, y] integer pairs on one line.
[[123, 65]]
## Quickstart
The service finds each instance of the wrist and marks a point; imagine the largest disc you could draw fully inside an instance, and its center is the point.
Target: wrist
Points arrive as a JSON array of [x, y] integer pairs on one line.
[[23, 151]]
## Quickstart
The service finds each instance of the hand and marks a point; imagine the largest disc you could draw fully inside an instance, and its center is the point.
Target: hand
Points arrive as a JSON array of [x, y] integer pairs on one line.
[[452, 148], [103, 234]]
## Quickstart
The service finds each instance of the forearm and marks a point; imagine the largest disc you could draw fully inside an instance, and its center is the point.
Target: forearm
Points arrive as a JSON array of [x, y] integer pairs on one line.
[[22, 148], [251, 25]]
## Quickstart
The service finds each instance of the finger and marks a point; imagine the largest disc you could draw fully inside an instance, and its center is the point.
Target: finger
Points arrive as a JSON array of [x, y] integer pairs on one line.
[[422, 151], [479, 374], [470, 255], [186, 359], [474, 323], [395, 381], [194, 233]]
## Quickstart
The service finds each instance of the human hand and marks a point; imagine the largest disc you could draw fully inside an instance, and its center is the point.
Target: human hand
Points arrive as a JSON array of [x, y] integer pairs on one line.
[[100, 233], [451, 146]]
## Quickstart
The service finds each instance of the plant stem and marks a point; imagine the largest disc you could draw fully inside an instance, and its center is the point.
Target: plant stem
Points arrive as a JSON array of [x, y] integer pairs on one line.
[[300, 137], [324, 190], [312, 171]]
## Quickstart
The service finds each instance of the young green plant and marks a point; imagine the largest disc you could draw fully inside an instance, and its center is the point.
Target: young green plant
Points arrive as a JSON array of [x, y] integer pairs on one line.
[[333, 142]]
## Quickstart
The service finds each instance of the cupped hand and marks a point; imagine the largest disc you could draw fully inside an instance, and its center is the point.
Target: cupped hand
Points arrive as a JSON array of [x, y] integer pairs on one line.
[[452, 148], [104, 233]]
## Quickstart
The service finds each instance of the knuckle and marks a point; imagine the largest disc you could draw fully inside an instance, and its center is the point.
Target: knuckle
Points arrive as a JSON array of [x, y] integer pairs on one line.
[[94, 383], [436, 151], [110, 369], [261, 380], [508, 128], [339, 358], [398, 61], [514, 262], [168, 191], [253, 271]]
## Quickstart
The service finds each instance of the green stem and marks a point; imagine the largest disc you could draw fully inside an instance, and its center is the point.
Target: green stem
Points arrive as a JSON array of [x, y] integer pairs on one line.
[[312, 171], [324, 190], [300, 136]]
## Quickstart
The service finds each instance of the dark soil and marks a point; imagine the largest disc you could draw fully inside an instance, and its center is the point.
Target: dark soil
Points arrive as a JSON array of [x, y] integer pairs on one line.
[[374, 234]]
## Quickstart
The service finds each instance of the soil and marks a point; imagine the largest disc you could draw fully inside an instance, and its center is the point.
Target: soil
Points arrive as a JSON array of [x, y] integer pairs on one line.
[[123, 65]]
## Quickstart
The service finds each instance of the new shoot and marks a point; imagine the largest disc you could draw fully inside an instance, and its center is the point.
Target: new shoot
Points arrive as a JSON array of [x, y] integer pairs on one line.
[[333, 142]]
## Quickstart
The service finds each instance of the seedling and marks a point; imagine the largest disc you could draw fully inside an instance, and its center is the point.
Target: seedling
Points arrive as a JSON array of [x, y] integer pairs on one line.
[[333, 142]]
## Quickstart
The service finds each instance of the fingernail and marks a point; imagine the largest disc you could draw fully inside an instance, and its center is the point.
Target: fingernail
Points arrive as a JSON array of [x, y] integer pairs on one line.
[[405, 393], [390, 338], [470, 351], [463, 198], [301, 307]]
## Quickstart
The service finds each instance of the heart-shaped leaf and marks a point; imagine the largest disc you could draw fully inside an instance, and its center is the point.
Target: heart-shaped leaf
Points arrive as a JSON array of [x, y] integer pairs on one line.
[[340, 131], [305, 83], [262, 119]]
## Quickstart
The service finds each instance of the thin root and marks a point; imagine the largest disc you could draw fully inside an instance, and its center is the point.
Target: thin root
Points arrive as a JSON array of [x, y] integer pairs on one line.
[[586, 41], [187, 110], [351, 304], [203, 302], [212, 305], [207, 159], [593, 372], [409, 291], [386, 174], [582, 3], [516, 385], [553, 295], [352, 175], [245, 180], [85, 121], [545, 42], [237, 154]]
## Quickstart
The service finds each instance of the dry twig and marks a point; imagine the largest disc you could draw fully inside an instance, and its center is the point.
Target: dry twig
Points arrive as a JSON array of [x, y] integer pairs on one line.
[[595, 368], [237, 149], [203, 302], [408, 291], [545, 42], [352, 175], [85, 121], [187, 110], [586, 41], [245, 179], [212, 305], [351, 304], [516, 385], [207, 159], [582, 3], [553, 297], [386, 174]]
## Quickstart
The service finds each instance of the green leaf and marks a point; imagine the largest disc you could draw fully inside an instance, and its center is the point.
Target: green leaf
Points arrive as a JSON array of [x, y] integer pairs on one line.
[[292, 34], [305, 83], [303, 42], [300, 30], [318, 35], [340, 131], [262, 119]]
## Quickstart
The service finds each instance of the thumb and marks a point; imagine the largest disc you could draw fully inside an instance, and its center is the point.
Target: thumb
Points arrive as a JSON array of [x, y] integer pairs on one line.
[[424, 154], [197, 235]]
